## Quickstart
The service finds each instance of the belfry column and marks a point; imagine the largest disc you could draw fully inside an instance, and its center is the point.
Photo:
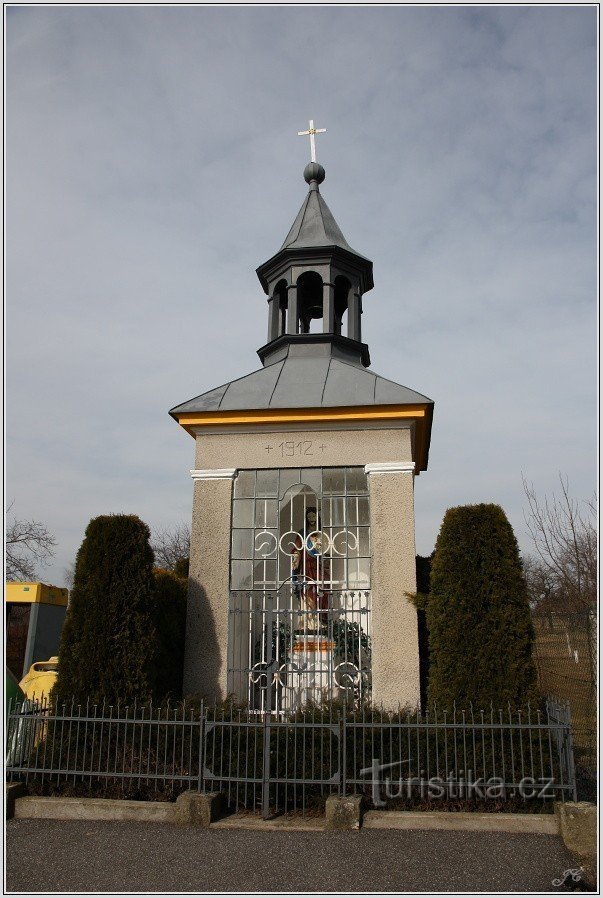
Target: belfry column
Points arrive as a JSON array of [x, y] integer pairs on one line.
[[205, 660], [354, 312], [328, 308], [273, 316], [292, 310], [395, 637]]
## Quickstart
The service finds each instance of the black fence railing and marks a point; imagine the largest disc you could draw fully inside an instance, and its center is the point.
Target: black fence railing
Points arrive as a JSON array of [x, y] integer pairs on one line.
[[291, 763]]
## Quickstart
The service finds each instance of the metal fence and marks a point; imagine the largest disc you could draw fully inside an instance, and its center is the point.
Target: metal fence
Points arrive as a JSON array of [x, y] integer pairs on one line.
[[278, 763]]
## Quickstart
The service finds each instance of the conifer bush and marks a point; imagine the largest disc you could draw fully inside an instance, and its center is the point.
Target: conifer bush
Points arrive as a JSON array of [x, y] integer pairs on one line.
[[108, 643], [478, 616], [170, 626], [181, 568]]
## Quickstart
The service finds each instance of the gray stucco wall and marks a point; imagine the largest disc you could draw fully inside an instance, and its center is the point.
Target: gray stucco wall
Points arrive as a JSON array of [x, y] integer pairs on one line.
[[205, 657], [395, 638], [294, 448]]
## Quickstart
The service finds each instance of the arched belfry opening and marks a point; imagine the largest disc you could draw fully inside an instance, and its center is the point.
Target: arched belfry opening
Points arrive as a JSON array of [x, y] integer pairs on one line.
[[278, 305], [309, 302], [342, 292]]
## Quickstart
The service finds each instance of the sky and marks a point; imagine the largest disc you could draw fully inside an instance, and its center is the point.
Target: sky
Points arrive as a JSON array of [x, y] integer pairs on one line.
[[153, 162]]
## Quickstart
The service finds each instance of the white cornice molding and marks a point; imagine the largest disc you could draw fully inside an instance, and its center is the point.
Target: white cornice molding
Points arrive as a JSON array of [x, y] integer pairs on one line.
[[215, 474], [390, 467]]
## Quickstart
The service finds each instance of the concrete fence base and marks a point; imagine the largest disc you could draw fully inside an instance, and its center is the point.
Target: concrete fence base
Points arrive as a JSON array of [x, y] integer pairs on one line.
[[578, 827], [12, 792], [575, 822], [199, 808], [343, 812], [189, 809], [463, 821]]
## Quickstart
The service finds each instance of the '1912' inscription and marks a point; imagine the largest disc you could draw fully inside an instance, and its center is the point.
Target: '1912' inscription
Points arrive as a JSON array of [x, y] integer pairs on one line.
[[292, 448]]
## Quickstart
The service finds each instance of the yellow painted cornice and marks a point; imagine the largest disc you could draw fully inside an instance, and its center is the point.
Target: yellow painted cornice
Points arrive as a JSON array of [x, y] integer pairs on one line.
[[301, 415]]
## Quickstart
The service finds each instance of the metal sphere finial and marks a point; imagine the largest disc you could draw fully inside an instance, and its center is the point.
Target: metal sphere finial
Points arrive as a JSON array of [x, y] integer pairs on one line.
[[314, 172]]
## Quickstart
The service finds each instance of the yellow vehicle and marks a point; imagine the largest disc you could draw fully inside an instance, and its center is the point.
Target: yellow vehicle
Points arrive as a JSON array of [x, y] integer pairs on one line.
[[40, 678]]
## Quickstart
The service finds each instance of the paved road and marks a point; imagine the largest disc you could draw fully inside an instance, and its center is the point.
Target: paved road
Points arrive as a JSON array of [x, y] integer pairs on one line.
[[145, 857]]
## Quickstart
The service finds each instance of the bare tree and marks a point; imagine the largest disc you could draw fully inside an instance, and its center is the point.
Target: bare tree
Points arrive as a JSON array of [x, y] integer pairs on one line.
[[172, 545], [28, 543], [563, 573], [69, 574], [540, 586]]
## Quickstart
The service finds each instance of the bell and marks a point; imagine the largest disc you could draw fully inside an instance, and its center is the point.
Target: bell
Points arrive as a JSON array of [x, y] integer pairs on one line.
[[314, 308], [309, 292]]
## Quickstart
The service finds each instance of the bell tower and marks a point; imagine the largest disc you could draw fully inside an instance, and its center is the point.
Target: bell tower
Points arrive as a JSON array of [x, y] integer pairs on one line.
[[315, 283]]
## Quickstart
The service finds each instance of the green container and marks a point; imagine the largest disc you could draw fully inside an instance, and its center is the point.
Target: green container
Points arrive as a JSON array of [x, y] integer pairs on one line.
[[12, 691]]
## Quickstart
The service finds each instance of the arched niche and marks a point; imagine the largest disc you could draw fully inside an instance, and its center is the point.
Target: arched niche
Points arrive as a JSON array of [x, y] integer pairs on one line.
[[293, 509], [303, 549]]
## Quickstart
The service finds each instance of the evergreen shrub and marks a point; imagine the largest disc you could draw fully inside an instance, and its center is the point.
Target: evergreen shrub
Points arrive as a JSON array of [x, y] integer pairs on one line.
[[478, 616], [170, 626], [181, 568], [108, 641]]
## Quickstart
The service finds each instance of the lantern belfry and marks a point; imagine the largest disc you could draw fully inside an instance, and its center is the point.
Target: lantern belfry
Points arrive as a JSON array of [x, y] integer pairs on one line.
[[303, 546]]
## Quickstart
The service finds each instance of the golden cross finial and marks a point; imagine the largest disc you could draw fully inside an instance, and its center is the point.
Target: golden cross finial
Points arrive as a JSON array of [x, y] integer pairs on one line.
[[312, 131]]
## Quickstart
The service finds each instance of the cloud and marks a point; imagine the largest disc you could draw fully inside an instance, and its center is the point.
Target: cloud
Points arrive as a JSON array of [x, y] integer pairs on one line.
[[153, 163]]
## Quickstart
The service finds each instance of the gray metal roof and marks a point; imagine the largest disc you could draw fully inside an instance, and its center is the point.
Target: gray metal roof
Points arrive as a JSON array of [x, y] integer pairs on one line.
[[304, 380], [315, 226]]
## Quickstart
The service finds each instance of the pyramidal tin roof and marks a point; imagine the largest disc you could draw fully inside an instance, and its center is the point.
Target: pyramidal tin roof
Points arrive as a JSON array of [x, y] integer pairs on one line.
[[315, 230], [315, 226], [301, 380]]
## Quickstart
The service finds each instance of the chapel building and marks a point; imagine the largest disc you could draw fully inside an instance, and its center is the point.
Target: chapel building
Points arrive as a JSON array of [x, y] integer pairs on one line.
[[303, 541]]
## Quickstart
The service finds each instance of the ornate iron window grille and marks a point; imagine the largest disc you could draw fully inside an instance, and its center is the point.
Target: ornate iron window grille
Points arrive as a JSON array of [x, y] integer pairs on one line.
[[300, 598]]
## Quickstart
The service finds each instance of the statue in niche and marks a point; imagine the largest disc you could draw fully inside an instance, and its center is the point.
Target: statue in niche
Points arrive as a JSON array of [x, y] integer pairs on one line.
[[309, 567]]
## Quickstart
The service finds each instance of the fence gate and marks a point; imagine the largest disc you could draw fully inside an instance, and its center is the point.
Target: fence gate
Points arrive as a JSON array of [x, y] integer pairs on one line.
[[269, 761]]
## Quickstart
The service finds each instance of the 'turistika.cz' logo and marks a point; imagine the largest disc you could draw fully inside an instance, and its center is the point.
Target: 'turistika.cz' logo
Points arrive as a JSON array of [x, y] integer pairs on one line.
[[456, 784]]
